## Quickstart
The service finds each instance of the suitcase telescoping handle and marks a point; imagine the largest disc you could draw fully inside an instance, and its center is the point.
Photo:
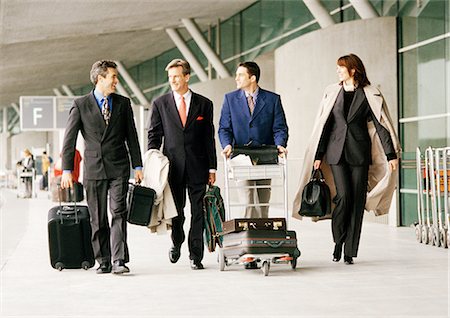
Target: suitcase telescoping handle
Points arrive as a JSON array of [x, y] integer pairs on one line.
[[61, 211]]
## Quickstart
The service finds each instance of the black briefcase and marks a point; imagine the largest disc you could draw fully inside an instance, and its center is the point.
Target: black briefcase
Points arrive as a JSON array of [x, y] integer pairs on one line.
[[140, 204], [316, 197], [259, 155]]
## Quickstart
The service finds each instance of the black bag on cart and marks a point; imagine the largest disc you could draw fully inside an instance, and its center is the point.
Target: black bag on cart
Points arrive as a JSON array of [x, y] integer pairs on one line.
[[69, 237], [140, 204], [256, 242]]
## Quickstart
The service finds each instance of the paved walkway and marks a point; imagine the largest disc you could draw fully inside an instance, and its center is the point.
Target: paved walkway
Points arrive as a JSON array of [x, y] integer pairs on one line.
[[394, 276]]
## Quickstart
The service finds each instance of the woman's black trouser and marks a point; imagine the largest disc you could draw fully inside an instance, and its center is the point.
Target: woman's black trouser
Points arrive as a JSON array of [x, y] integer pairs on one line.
[[351, 188]]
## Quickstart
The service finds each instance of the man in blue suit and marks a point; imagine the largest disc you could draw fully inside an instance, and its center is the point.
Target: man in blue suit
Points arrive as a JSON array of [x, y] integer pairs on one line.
[[252, 115]]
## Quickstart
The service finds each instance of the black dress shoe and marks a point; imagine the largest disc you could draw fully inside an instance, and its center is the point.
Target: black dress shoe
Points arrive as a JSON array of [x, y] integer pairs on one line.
[[348, 260], [174, 254], [337, 252], [104, 268], [196, 265], [119, 267]]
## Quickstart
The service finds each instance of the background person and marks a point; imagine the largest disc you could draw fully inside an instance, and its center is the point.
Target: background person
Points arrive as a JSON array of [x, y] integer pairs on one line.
[[185, 120], [27, 165], [106, 122], [253, 115]]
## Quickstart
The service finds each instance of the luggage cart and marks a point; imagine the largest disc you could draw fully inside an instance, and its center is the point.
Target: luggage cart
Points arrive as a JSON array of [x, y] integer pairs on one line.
[[433, 197], [255, 172], [22, 177]]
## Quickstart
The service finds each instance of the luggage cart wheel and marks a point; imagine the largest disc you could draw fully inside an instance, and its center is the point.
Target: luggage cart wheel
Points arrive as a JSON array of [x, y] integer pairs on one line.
[[265, 268], [222, 260], [436, 238], [59, 266], [294, 263], [443, 238], [431, 236], [419, 233], [85, 265], [425, 235], [448, 237]]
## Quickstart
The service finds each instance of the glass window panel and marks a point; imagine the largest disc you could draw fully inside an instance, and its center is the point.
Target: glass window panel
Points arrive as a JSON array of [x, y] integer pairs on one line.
[[425, 133], [424, 80], [421, 23], [251, 25], [409, 209]]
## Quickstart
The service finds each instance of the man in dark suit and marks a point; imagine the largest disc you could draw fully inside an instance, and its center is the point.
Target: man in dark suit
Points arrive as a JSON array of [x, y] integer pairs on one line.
[[106, 122], [252, 115], [185, 120]]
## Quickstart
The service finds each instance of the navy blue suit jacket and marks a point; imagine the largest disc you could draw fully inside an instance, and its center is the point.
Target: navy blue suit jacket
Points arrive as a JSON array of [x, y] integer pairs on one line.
[[267, 125]]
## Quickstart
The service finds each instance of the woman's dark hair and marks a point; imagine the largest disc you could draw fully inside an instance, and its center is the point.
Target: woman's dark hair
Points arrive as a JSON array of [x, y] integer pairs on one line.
[[353, 62]]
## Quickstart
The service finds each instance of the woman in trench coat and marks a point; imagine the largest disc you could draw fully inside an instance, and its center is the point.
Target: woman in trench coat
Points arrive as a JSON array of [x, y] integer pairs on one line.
[[354, 140]]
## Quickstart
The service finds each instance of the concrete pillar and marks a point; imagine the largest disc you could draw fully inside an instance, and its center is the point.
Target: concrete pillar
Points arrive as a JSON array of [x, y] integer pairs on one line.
[[204, 46], [187, 53], [319, 12], [364, 9]]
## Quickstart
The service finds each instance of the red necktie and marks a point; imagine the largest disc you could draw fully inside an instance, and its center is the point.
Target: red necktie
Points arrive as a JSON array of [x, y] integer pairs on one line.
[[182, 111]]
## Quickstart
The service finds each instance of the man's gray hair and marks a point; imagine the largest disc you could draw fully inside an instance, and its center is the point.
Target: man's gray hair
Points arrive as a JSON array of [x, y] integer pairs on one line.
[[101, 68]]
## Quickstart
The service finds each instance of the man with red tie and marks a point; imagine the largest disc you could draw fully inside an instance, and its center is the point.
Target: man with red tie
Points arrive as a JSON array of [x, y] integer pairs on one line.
[[185, 120]]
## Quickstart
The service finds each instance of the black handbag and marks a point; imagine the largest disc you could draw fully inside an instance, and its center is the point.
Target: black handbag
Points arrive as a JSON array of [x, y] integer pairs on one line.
[[259, 155], [316, 197]]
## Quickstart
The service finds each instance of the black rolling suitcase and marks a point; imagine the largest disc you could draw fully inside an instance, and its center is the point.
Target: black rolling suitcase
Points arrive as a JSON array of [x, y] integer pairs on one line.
[[69, 237], [258, 242], [140, 204]]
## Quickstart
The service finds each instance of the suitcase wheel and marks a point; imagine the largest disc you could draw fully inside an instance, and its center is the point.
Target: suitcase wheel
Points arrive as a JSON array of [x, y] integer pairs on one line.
[[85, 265], [265, 268], [222, 260], [294, 263], [59, 266]]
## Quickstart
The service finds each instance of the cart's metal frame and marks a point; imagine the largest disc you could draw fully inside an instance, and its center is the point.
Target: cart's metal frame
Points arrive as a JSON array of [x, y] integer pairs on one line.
[[256, 172], [432, 201]]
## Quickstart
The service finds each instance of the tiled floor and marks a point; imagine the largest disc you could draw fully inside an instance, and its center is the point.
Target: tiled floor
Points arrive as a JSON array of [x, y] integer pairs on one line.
[[393, 276]]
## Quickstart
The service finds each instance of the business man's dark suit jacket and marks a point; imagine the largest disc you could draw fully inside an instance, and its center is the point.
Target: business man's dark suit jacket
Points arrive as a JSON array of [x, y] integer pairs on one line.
[[105, 154], [190, 150], [349, 138], [106, 169], [267, 125]]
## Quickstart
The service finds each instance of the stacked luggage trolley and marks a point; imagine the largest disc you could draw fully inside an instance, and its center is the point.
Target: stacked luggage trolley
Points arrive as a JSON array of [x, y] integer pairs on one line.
[[257, 241], [433, 196]]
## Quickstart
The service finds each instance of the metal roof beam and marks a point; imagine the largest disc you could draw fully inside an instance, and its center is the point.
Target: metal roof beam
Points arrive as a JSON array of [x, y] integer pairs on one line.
[[319, 12], [204, 46], [187, 53], [364, 9], [132, 84]]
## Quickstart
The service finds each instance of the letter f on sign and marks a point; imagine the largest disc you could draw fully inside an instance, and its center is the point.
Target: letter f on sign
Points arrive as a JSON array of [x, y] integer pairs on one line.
[[36, 114]]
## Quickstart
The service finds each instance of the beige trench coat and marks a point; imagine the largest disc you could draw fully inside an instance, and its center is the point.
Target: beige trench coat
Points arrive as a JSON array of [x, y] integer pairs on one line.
[[382, 182]]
